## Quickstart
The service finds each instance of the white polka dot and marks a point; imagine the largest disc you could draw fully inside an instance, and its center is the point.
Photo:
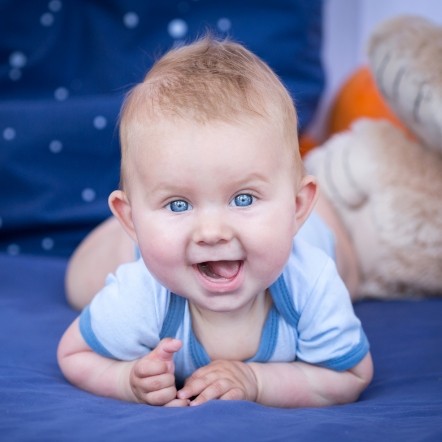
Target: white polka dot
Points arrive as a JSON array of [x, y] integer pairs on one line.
[[61, 94], [55, 5], [131, 20], [224, 24], [9, 134], [88, 195], [177, 28], [100, 122], [18, 59], [47, 19], [47, 244], [15, 74], [55, 146], [13, 249]]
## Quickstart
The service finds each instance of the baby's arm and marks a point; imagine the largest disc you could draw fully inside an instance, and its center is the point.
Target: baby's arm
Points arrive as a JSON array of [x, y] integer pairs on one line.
[[278, 384], [304, 385], [148, 380]]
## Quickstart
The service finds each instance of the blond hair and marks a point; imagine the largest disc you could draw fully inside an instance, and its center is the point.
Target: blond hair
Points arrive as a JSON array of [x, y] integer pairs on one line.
[[205, 81]]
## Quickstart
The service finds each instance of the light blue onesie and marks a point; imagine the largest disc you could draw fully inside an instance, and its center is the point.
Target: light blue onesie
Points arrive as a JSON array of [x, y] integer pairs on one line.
[[311, 320]]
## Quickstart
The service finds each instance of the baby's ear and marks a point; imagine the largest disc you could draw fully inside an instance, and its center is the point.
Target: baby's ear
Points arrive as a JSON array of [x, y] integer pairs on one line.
[[305, 200], [121, 208]]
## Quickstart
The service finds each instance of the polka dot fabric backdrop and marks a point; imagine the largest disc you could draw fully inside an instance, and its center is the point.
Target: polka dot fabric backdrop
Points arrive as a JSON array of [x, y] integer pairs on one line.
[[65, 66]]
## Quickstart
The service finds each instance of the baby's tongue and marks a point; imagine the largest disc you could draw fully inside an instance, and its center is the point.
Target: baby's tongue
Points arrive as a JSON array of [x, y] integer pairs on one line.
[[221, 269]]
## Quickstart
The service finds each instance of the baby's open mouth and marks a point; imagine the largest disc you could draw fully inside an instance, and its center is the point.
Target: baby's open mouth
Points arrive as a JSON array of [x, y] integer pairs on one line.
[[220, 269]]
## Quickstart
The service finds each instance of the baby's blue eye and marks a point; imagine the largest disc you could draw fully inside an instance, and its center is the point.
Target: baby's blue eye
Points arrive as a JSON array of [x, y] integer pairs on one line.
[[243, 200], [179, 206]]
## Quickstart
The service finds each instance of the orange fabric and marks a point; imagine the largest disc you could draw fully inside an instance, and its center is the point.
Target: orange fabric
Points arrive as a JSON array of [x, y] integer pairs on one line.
[[359, 97]]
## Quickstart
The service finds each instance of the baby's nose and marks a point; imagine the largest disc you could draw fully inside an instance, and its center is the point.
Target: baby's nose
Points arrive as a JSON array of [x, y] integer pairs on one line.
[[211, 228]]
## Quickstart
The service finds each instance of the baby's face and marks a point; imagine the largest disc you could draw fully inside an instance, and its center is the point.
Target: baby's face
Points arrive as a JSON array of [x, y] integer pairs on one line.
[[214, 209]]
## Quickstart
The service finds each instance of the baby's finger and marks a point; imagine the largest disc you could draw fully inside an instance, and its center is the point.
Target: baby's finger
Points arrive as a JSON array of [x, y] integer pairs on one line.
[[205, 391], [178, 403], [165, 350], [199, 381], [156, 390], [161, 397], [146, 367], [224, 392], [193, 386], [214, 391]]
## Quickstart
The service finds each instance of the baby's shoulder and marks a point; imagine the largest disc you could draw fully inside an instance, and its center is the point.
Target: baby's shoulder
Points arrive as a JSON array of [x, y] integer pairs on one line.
[[310, 272], [307, 260], [132, 284]]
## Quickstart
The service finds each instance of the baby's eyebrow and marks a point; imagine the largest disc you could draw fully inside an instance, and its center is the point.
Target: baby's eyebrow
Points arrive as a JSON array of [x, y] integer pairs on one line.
[[254, 178], [167, 188], [181, 188]]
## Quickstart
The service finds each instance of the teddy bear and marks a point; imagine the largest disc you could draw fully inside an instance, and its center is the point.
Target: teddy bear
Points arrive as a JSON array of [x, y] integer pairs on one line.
[[386, 183]]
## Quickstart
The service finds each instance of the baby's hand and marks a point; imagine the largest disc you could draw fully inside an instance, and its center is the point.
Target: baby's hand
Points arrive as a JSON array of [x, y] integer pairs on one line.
[[228, 380], [152, 378]]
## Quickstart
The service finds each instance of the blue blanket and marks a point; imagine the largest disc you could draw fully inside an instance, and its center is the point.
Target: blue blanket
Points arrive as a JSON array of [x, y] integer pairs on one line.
[[403, 403]]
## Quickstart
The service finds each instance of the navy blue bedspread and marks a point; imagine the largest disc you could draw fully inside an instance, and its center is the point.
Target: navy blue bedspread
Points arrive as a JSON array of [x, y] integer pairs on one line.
[[403, 403]]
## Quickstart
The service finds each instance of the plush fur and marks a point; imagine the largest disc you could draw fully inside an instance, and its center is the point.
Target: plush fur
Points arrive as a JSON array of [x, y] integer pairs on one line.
[[386, 187]]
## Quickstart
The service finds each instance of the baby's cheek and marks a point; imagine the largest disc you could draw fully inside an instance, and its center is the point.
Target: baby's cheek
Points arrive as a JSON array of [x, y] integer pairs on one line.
[[274, 251], [164, 261], [158, 256], [158, 244]]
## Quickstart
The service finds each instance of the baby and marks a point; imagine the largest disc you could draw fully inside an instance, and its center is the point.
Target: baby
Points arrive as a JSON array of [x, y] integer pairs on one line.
[[236, 294]]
